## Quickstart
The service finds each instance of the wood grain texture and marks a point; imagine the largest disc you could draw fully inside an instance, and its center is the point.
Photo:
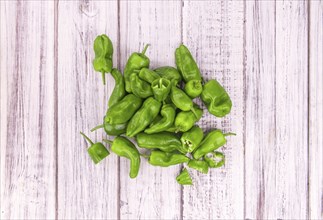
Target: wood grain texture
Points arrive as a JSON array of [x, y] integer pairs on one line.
[[27, 110], [316, 110], [213, 31], [85, 190], [154, 194]]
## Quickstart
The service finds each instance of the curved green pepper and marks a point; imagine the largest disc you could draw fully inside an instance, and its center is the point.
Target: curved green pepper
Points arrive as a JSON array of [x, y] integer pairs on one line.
[[193, 88], [161, 88], [148, 75], [164, 141], [119, 89], [215, 159], [199, 165], [191, 139], [136, 61], [170, 73], [103, 50], [184, 178], [139, 87], [143, 117], [185, 120], [122, 147], [181, 100], [116, 129], [216, 99], [164, 159], [97, 151], [122, 111], [168, 116]]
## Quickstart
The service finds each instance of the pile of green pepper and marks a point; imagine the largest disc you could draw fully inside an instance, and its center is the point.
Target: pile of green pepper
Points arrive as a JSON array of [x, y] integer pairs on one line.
[[154, 109]]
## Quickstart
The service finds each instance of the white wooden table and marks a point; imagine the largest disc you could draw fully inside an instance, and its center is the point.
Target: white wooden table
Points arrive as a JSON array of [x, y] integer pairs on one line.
[[269, 56]]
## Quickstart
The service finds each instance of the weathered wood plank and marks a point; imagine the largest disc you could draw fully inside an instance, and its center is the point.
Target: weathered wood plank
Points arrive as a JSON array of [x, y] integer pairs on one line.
[[27, 110], [154, 194], [85, 190], [213, 31], [316, 110]]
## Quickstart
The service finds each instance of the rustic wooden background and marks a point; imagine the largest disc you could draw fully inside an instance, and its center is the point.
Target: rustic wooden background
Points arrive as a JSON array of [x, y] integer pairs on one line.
[[269, 56]]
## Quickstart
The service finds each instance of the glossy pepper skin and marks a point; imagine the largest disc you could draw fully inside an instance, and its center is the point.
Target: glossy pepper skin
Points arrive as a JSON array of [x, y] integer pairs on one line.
[[168, 113], [119, 89], [215, 159], [148, 75], [97, 151], [122, 147], [199, 165], [103, 50], [164, 159], [216, 99], [164, 141], [170, 73], [185, 120], [181, 100], [193, 88], [116, 129], [143, 117], [122, 111], [136, 61], [161, 88], [191, 139], [184, 178], [139, 87]]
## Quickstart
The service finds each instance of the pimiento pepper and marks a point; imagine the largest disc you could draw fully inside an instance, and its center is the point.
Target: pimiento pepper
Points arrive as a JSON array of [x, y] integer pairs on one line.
[[184, 178], [140, 87], [164, 141], [136, 61], [97, 151], [191, 139], [161, 88], [168, 116], [122, 147], [164, 159], [103, 50], [193, 88], [199, 165], [122, 111], [181, 100], [143, 117], [170, 73], [216, 99], [185, 120], [215, 159], [119, 89], [212, 141], [148, 75]]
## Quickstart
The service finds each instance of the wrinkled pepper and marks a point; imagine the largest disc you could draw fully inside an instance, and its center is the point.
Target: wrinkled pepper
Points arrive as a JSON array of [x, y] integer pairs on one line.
[[215, 159], [119, 89], [191, 139], [164, 159], [161, 88], [148, 75], [140, 87], [199, 165], [170, 73], [184, 178], [185, 120], [97, 151], [168, 113], [193, 88], [164, 141], [181, 100]]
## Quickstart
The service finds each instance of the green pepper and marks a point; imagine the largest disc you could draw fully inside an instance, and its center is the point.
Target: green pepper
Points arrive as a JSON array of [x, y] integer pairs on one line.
[[122, 111], [139, 87], [161, 88], [165, 141], [199, 165], [122, 147], [148, 75], [212, 141], [185, 120], [193, 88], [184, 178], [116, 129], [97, 151], [143, 117], [136, 61], [168, 116], [181, 100], [119, 89], [216, 99], [164, 159], [103, 50], [191, 139], [170, 73], [215, 159]]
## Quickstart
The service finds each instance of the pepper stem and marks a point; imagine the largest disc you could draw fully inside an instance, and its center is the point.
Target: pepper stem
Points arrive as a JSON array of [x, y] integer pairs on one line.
[[97, 127], [193, 110], [103, 77], [230, 134], [87, 138], [107, 141], [145, 49]]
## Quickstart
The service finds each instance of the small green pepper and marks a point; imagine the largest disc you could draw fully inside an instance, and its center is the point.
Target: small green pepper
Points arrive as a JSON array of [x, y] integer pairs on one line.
[[143, 117], [136, 61], [193, 88], [216, 99], [181, 100], [103, 50], [119, 89], [97, 151], [184, 178], [161, 88], [139, 87], [164, 159], [185, 120], [215, 159], [168, 116], [191, 139], [148, 75], [165, 141], [170, 73], [122, 111], [122, 147], [199, 165]]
